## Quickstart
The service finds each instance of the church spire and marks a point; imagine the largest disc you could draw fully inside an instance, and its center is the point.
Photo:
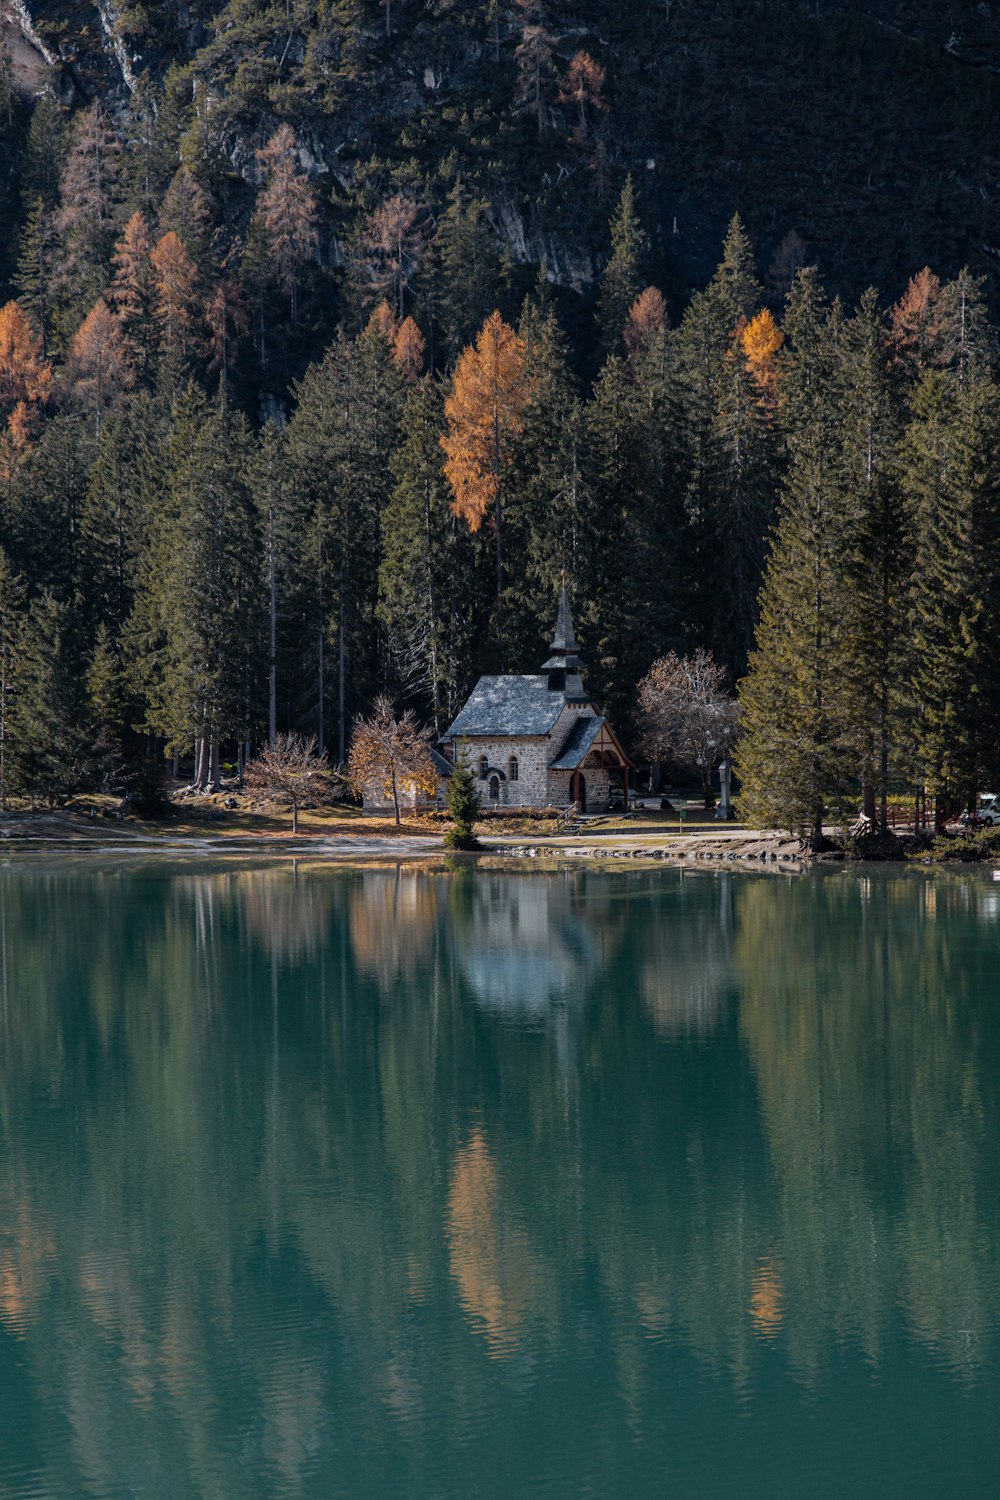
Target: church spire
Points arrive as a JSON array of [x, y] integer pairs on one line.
[[564, 665], [563, 640]]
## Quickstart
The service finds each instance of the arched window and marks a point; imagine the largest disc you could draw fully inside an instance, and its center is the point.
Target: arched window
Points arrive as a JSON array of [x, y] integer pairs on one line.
[[484, 766], [512, 768]]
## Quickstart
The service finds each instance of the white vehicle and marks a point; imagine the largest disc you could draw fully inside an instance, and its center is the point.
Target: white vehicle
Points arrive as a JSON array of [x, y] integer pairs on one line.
[[987, 809]]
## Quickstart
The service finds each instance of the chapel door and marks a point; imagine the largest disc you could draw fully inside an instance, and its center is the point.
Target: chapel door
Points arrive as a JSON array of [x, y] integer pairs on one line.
[[578, 790], [494, 788]]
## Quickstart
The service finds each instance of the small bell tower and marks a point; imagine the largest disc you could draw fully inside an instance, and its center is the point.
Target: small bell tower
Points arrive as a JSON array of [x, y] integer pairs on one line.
[[564, 666]]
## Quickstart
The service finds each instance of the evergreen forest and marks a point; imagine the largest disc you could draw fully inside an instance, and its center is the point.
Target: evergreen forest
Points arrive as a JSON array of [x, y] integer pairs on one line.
[[333, 334]]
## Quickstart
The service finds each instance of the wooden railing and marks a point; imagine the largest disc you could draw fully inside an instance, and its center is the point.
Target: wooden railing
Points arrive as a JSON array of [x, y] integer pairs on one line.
[[567, 817]]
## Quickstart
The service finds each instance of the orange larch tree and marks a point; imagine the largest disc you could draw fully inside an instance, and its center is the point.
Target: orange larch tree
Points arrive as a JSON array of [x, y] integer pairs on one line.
[[175, 280], [287, 211], [647, 319], [916, 323], [383, 321], [408, 348], [583, 86], [760, 340], [98, 370], [131, 291], [25, 377], [394, 240], [485, 413]]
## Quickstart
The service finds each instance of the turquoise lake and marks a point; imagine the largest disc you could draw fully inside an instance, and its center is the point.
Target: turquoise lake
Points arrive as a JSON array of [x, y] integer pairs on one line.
[[413, 1182]]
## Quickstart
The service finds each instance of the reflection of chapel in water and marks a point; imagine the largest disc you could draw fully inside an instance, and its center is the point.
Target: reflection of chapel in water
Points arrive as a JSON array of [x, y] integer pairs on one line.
[[538, 741]]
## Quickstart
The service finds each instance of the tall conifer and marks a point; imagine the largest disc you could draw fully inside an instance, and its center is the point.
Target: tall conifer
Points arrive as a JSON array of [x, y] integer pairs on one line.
[[796, 757], [622, 279]]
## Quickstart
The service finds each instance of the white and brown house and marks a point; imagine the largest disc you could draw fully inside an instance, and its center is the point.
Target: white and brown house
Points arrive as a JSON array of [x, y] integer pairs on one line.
[[538, 741]]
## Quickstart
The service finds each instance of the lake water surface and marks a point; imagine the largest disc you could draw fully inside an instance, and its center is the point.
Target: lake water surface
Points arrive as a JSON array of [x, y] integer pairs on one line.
[[396, 1182]]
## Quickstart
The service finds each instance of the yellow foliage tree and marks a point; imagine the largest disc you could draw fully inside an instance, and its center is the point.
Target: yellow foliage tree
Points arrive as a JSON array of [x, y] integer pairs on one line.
[[760, 340], [485, 413], [387, 754]]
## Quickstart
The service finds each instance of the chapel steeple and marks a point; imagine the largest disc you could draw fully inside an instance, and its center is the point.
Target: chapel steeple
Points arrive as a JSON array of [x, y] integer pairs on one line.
[[564, 666]]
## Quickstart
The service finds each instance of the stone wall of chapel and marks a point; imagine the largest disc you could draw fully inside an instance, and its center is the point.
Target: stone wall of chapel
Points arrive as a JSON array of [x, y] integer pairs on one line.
[[596, 788], [533, 756]]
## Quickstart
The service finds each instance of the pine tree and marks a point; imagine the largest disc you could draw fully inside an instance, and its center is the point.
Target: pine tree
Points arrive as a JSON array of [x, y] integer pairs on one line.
[[36, 266], [427, 585], [12, 624], [878, 551], [951, 463], [117, 516], [142, 165], [548, 533], [43, 515], [460, 277], [339, 445], [627, 613], [796, 756], [730, 456], [48, 751], [44, 151], [115, 750], [173, 117], [463, 807], [966, 338], [743, 477], [622, 279], [187, 211], [227, 321], [196, 621]]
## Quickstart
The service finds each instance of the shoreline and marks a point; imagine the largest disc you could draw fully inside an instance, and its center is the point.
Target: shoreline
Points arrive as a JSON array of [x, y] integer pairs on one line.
[[59, 832]]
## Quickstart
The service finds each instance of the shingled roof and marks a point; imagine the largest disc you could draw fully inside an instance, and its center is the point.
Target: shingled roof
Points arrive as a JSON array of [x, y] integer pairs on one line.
[[578, 742], [500, 706]]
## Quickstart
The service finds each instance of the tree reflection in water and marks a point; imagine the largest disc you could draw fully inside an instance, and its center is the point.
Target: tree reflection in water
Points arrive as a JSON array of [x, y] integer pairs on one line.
[[297, 1165]]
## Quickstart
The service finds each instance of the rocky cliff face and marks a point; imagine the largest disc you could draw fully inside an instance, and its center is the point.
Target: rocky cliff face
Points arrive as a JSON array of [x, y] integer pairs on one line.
[[873, 132]]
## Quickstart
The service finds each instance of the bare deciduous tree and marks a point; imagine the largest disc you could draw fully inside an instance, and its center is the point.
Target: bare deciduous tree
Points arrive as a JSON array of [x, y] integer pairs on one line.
[[685, 716], [291, 774]]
